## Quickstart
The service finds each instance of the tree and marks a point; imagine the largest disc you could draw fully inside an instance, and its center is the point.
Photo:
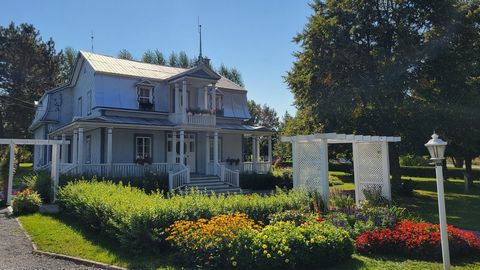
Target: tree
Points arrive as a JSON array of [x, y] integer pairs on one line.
[[124, 54], [68, 64], [28, 67], [358, 64], [183, 60], [232, 74], [149, 57], [173, 60], [261, 115]]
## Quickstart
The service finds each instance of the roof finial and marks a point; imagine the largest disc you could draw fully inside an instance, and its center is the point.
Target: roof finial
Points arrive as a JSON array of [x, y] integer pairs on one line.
[[91, 36], [200, 57]]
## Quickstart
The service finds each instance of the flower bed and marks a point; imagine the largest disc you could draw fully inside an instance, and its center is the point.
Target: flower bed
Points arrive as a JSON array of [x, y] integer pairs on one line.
[[228, 241], [417, 240], [138, 220]]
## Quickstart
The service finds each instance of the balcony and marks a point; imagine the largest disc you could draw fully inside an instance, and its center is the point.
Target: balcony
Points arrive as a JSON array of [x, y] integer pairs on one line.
[[196, 119]]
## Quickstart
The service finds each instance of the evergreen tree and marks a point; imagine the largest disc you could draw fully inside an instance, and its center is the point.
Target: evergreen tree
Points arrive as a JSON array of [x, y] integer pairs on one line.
[[173, 60], [183, 60], [124, 54], [28, 67], [69, 58]]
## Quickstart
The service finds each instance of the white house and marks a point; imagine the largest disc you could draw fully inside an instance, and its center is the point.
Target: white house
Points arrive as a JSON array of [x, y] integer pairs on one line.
[[124, 118]]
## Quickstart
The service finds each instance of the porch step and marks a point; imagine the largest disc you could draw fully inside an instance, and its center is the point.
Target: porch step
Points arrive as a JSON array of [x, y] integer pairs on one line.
[[209, 183]]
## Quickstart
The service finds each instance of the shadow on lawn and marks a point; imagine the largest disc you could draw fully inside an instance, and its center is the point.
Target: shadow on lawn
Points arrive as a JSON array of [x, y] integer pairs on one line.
[[144, 260]]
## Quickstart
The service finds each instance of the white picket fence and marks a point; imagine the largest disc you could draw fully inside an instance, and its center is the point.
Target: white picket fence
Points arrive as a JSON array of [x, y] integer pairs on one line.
[[179, 178]]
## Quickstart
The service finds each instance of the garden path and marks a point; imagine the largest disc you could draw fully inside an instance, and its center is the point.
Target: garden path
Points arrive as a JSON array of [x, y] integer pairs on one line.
[[16, 249]]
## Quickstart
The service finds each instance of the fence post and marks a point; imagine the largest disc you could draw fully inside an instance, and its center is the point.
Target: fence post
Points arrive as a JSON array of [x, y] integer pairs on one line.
[[188, 175], [237, 178], [170, 181]]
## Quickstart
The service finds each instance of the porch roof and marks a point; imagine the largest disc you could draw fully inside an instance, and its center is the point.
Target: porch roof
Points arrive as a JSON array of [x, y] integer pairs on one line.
[[130, 120]]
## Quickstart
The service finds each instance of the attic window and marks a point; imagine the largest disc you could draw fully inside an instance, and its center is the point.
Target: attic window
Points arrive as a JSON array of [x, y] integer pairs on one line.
[[145, 97]]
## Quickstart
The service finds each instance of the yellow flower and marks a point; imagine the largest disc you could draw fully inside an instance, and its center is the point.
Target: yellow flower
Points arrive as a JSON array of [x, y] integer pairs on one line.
[[234, 263], [264, 246], [268, 255]]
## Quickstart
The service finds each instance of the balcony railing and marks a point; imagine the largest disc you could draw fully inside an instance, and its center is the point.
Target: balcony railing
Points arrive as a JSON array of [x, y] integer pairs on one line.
[[193, 119]]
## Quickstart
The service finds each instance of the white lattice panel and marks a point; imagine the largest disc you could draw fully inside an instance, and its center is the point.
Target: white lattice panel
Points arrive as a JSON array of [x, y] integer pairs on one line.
[[371, 169]]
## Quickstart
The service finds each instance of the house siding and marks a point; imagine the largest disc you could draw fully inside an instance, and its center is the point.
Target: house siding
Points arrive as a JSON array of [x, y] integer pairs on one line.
[[124, 148], [85, 83]]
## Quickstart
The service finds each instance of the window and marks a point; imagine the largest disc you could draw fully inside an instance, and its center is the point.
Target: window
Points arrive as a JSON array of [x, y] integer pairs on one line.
[[88, 150], [220, 146], [89, 102], [79, 106], [143, 147], [145, 97]]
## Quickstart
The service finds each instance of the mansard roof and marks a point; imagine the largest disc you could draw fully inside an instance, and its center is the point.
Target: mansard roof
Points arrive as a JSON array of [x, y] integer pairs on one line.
[[112, 65]]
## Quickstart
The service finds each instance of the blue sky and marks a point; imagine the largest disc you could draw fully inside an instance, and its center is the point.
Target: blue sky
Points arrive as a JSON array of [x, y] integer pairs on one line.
[[253, 36]]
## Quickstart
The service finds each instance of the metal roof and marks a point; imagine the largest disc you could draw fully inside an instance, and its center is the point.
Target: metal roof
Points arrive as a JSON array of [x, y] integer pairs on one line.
[[112, 65], [129, 120]]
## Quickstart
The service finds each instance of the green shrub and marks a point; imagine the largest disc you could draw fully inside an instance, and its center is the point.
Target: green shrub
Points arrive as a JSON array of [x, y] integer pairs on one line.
[[310, 245], [138, 220], [341, 199], [26, 202], [257, 181], [429, 172], [334, 181], [413, 160], [296, 216], [39, 181], [373, 195], [150, 182]]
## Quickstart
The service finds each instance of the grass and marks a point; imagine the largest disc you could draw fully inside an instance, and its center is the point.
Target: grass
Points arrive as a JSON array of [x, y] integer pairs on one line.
[[463, 209], [58, 234], [54, 233]]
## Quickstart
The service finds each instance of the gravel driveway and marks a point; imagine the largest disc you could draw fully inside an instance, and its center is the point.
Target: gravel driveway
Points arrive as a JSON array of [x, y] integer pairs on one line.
[[16, 249]]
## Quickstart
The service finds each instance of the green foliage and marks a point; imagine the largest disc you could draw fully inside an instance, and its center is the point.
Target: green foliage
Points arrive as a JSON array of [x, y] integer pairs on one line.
[[257, 181], [373, 196], [124, 54], [26, 202], [284, 245], [28, 66], [68, 64], [40, 182], [413, 160], [232, 74], [341, 199], [334, 180], [296, 216], [138, 220]]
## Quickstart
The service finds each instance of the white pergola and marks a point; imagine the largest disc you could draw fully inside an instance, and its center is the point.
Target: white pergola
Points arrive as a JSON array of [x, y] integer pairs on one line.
[[370, 162], [55, 160]]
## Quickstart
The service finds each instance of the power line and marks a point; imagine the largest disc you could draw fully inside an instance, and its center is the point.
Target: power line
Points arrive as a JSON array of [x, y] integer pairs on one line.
[[17, 99], [10, 102]]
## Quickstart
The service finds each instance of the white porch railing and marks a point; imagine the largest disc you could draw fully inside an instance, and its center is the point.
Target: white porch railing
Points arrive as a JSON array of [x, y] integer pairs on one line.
[[193, 119], [179, 178], [259, 167], [122, 169], [228, 176]]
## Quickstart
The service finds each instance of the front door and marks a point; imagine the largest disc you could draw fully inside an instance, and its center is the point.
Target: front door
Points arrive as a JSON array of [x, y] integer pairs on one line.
[[189, 149]]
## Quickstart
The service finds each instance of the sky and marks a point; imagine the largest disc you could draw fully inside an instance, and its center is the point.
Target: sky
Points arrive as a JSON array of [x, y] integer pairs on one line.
[[253, 36]]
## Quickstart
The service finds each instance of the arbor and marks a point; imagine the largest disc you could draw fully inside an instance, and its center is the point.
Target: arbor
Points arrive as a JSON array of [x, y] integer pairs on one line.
[[124, 54], [28, 67]]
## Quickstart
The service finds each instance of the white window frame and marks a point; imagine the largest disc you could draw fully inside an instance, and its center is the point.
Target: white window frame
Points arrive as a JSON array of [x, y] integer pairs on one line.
[[144, 138], [144, 97], [89, 102]]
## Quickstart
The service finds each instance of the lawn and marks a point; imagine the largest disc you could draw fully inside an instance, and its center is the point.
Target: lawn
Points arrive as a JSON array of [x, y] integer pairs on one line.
[[54, 233], [57, 234], [463, 209]]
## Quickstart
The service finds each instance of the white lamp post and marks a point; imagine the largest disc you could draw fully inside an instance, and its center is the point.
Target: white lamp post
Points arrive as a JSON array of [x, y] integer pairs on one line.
[[436, 147]]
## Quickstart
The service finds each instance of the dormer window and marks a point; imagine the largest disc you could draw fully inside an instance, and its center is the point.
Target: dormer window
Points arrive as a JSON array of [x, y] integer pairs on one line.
[[145, 95]]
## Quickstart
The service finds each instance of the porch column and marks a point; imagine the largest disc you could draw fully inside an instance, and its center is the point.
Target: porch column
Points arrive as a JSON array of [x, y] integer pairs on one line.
[[254, 153], [184, 101], [174, 146], [182, 147], [215, 148], [270, 150], [177, 98], [80, 147], [10, 174], [109, 145], [205, 98], [54, 174], [75, 147], [207, 153], [64, 149], [214, 99]]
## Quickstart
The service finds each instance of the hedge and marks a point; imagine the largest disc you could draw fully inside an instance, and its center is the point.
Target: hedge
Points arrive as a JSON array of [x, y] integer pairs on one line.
[[257, 181], [138, 220]]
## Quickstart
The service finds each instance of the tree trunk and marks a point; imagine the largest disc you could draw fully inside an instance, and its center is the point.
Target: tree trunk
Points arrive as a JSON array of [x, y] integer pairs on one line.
[[458, 162], [468, 172], [394, 163], [445, 170]]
